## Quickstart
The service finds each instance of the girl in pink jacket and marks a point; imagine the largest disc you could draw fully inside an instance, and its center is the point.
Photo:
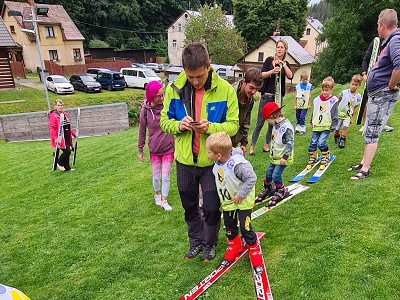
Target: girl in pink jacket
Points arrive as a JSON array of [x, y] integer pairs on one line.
[[161, 144], [68, 133]]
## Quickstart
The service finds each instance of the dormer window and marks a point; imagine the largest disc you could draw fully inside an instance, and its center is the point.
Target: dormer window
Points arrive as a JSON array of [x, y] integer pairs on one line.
[[49, 31]]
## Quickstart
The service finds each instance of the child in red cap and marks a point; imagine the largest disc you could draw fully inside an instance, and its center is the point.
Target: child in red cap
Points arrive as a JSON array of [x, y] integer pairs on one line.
[[281, 155]]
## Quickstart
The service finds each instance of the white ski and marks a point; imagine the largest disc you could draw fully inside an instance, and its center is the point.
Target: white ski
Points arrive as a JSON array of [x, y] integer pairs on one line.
[[300, 188]]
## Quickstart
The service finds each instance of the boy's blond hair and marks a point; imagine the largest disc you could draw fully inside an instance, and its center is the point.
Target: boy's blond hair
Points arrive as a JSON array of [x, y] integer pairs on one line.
[[304, 76], [219, 142], [328, 82], [357, 79]]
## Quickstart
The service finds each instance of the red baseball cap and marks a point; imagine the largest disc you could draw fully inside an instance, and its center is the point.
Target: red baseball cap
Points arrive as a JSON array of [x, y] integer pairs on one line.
[[269, 109]]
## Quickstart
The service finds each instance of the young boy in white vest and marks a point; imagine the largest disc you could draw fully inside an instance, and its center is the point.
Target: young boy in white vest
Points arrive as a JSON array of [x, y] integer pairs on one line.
[[281, 155], [302, 101], [235, 180], [349, 101], [323, 120]]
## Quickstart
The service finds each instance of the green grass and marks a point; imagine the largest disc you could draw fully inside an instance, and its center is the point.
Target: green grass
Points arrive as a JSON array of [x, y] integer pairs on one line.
[[95, 233]]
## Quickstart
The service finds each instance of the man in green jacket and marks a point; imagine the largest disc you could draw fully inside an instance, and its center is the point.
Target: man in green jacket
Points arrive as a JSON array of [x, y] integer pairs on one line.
[[196, 104]]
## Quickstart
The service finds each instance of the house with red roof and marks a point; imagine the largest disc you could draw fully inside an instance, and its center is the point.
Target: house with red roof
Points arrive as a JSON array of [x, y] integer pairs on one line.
[[60, 39]]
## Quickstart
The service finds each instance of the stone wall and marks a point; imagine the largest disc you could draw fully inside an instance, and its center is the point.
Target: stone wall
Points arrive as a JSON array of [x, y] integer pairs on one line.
[[94, 120]]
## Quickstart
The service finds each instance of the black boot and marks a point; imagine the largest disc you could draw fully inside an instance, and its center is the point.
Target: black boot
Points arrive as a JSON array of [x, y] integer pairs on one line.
[[279, 195], [267, 191], [342, 142]]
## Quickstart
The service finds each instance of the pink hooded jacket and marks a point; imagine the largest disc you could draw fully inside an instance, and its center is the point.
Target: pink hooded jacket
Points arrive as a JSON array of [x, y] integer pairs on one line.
[[54, 125]]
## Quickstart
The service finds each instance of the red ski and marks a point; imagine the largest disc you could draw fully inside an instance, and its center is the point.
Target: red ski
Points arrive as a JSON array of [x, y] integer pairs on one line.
[[261, 282], [211, 278]]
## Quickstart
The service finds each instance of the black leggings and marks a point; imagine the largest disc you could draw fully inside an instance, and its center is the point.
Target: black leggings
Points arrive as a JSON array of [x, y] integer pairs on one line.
[[244, 216]]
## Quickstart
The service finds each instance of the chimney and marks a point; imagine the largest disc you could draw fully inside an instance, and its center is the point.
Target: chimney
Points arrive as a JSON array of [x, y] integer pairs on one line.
[[277, 31], [31, 2]]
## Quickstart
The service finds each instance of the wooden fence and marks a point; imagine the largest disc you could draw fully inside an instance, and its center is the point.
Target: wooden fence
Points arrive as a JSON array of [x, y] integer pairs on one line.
[[18, 69]]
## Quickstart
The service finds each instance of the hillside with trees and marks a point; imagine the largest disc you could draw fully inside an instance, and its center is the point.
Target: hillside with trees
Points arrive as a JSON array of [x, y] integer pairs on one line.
[[349, 31]]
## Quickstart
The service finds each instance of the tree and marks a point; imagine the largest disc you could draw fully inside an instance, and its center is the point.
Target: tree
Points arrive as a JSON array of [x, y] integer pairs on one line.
[[224, 44], [349, 31], [319, 11], [256, 20], [96, 43]]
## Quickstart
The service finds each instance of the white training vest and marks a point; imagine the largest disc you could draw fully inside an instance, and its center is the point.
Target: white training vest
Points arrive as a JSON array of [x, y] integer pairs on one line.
[[347, 104], [303, 96], [322, 119]]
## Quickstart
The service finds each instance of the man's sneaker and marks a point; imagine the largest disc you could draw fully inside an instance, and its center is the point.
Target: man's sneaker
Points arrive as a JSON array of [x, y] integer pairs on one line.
[[387, 128], [342, 142], [208, 253], [157, 199], [61, 168], [165, 205], [193, 251]]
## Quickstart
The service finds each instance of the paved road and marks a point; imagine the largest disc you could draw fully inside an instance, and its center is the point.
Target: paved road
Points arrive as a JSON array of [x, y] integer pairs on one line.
[[33, 83]]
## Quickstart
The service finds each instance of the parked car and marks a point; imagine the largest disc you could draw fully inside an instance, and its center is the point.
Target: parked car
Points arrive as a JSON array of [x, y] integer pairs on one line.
[[139, 77], [171, 73], [85, 83], [138, 65], [164, 66], [111, 80], [59, 84], [94, 71], [155, 67]]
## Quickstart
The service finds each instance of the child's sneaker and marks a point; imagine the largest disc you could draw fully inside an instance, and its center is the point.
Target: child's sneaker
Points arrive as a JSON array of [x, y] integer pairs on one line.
[[297, 129], [61, 168], [302, 129], [267, 191], [234, 248], [337, 139], [342, 142], [312, 159], [325, 158], [157, 199], [279, 195], [165, 205]]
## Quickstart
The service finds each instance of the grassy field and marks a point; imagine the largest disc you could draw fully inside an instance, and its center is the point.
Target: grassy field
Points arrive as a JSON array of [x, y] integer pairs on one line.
[[95, 233]]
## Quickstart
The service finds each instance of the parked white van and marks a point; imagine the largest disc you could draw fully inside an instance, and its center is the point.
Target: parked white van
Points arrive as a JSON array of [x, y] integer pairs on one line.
[[139, 77]]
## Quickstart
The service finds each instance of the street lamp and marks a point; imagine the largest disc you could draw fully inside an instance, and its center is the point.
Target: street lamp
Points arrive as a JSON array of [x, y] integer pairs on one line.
[[38, 9]]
